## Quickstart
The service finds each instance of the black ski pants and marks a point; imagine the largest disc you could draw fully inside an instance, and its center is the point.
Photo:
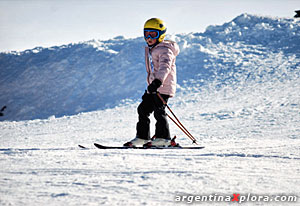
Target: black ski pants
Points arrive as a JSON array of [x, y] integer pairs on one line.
[[152, 103]]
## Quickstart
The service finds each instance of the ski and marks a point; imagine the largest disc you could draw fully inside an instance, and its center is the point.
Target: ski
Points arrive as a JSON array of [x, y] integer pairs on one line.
[[99, 146]]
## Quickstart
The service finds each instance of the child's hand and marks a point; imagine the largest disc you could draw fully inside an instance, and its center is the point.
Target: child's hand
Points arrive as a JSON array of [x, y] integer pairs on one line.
[[152, 88]]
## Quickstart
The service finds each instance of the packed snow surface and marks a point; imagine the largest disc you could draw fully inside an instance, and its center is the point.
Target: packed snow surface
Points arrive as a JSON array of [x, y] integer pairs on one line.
[[238, 94]]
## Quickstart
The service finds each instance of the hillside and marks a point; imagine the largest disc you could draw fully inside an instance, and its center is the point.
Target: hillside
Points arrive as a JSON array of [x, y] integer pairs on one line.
[[94, 75]]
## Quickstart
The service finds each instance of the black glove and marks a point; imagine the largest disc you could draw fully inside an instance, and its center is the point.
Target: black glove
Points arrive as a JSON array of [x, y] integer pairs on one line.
[[154, 86]]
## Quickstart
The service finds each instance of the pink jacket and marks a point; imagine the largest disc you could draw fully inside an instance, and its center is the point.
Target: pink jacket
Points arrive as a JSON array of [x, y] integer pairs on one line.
[[163, 60]]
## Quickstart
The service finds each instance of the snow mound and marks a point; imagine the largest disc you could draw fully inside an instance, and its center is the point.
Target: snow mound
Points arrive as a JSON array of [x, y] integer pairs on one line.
[[275, 33], [96, 75]]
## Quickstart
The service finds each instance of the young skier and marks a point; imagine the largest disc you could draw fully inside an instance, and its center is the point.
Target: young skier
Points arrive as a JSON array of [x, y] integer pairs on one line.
[[160, 57]]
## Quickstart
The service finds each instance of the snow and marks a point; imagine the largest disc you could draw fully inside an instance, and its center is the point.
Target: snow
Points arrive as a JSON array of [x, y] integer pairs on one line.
[[238, 94]]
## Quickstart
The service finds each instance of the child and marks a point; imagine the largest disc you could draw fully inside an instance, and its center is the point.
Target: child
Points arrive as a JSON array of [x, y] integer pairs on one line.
[[160, 56]]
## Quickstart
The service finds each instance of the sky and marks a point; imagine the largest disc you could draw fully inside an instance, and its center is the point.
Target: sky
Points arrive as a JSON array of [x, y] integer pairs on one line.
[[25, 24]]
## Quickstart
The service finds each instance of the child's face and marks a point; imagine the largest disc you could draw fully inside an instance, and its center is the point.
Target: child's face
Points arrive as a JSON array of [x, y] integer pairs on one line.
[[150, 41]]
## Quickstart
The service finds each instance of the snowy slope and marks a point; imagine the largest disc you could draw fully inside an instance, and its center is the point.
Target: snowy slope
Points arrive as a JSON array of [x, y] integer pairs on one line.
[[238, 94], [94, 75], [70, 79]]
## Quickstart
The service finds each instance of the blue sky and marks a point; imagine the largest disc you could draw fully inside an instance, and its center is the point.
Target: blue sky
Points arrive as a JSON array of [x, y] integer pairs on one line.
[[25, 24]]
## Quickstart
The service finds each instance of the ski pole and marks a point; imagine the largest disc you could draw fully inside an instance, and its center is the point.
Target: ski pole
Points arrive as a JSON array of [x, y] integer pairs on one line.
[[182, 127]]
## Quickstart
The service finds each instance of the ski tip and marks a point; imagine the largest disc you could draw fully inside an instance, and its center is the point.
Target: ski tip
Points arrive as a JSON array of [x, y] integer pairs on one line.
[[82, 147], [100, 146]]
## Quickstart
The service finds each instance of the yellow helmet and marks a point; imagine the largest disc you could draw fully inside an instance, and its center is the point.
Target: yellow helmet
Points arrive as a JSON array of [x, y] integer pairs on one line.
[[156, 24]]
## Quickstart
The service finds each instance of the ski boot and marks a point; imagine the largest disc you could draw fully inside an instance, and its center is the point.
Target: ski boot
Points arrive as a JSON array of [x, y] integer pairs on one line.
[[136, 142]]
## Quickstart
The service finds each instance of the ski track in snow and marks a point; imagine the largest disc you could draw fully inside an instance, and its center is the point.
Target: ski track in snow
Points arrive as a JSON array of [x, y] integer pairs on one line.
[[240, 99]]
